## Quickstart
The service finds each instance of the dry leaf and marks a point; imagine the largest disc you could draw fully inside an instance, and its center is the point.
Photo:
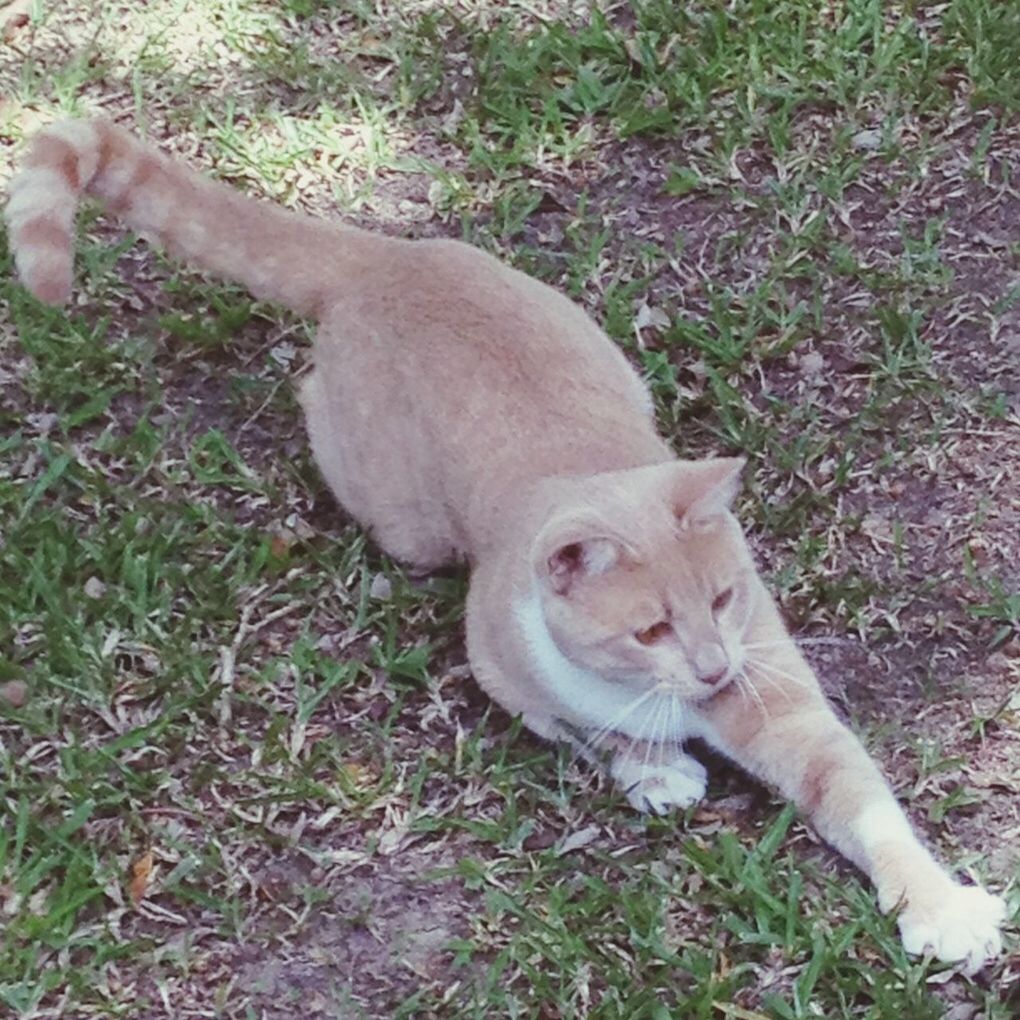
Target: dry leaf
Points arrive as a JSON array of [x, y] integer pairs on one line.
[[650, 318], [284, 353], [578, 840], [357, 774], [279, 546], [392, 839], [302, 529], [140, 872]]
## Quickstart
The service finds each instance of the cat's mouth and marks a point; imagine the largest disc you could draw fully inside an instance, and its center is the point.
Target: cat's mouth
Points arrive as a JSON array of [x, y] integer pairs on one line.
[[694, 689]]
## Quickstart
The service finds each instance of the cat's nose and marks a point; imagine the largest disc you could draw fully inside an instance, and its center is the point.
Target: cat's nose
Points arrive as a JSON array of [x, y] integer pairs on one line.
[[713, 678], [711, 663]]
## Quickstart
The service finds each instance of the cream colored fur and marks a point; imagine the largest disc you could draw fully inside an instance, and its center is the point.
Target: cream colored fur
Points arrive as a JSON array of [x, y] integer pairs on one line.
[[463, 411]]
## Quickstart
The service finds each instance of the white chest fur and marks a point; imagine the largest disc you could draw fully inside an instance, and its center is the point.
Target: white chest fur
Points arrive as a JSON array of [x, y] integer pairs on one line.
[[587, 699]]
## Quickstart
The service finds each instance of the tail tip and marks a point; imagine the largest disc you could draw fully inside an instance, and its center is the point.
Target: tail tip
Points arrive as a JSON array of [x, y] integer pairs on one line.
[[51, 288], [53, 292]]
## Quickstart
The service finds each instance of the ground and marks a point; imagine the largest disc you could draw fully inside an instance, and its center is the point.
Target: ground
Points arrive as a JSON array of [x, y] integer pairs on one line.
[[244, 769]]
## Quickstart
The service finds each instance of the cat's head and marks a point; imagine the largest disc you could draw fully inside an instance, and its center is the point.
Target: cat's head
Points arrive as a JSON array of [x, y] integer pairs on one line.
[[647, 579]]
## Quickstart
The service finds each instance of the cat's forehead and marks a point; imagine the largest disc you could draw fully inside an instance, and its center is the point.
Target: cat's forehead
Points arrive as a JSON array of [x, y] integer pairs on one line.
[[658, 531], [689, 555], [652, 502], [678, 563]]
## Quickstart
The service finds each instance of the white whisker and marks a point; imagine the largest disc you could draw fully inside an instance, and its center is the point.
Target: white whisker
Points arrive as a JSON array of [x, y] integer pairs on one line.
[[681, 717], [830, 640], [591, 743], [748, 685], [791, 639], [670, 739], [648, 737], [681, 724], [742, 685], [653, 743], [775, 682], [666, 741], [769, 667]]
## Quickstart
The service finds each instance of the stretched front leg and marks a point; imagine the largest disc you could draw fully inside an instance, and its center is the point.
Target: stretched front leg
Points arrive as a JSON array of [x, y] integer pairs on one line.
[[785, 732]]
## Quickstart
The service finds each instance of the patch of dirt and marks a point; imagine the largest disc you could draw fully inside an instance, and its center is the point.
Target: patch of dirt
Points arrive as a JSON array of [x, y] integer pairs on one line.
[[385, 935], [318, 942]]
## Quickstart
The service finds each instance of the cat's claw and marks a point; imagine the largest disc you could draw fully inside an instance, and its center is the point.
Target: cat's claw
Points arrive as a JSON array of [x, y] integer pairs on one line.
[[962, 925], [657, 789]]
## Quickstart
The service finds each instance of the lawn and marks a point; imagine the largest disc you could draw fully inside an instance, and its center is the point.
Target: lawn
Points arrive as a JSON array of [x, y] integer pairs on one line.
[[244, 769]]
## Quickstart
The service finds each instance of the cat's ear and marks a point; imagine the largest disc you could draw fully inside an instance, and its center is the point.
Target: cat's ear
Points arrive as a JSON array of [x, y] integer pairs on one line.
[[572, 547], [704, 489]]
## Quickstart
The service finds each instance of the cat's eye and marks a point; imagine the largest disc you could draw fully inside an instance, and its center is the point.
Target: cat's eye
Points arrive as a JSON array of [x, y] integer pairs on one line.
[[656, 632], [722, 600]]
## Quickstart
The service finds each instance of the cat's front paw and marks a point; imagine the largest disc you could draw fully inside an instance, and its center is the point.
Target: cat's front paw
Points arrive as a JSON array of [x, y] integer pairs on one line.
[[657, 789], [961, 924]]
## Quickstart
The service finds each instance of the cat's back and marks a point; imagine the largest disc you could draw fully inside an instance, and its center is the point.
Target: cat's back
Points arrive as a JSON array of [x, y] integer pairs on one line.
[[446, 382], [451, 314]]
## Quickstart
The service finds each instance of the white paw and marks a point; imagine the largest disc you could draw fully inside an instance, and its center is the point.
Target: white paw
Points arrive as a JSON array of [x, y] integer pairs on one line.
[[657, 789], [962, 924]]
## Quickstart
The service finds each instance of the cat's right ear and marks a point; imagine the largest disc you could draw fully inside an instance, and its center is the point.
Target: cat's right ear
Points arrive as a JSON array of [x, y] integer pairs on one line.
[[572, 548]]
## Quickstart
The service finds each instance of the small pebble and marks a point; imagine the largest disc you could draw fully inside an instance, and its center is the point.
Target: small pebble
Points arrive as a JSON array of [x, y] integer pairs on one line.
[[868, 140], [14, 693]]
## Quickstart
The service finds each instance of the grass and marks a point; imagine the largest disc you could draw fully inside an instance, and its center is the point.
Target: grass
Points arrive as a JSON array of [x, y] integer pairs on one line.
[[243, 769]]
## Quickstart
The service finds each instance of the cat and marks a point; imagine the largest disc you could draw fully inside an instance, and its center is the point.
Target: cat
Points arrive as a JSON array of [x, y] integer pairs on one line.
[[463, 411]]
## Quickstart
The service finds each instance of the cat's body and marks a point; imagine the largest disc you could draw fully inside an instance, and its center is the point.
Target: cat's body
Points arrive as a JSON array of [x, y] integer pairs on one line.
[[463, 411]]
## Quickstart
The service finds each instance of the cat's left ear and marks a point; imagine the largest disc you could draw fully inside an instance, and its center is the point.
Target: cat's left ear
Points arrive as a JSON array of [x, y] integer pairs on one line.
[[572, 547], [706, 488]]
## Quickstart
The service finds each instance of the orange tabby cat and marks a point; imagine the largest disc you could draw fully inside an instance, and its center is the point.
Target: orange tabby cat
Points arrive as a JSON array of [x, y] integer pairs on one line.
[[462, 410]]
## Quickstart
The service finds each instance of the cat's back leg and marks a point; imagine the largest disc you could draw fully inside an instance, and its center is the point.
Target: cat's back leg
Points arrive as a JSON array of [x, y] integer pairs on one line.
[[372, 457]]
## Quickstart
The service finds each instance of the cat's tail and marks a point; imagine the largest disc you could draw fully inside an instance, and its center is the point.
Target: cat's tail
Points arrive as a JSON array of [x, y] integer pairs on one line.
[[277, 254]]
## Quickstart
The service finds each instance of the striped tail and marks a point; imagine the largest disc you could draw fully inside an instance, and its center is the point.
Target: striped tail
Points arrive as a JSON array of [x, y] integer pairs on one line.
[[277, 254]]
